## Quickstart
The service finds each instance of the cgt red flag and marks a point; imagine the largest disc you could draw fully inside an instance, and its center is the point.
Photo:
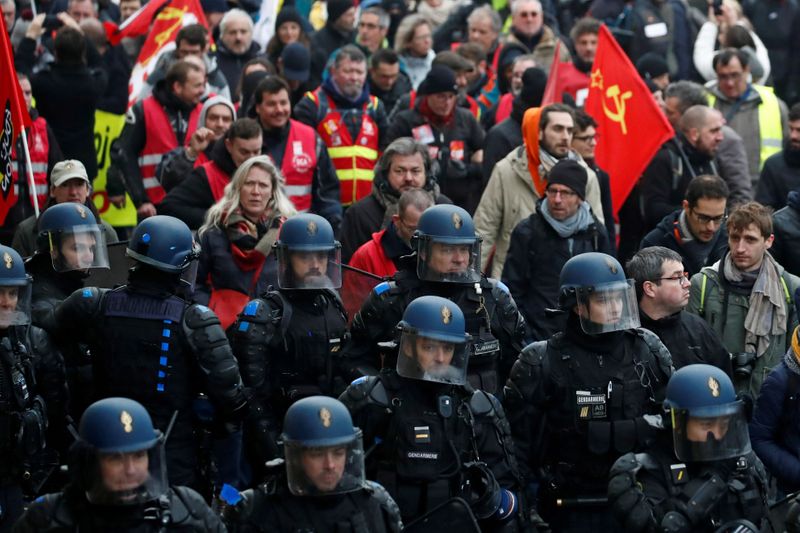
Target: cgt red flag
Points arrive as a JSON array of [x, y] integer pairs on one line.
[[14, 118], [137, 24], [631, 125]]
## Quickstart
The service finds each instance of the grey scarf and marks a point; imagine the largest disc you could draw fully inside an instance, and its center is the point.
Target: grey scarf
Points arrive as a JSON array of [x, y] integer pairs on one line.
[[581, 220]]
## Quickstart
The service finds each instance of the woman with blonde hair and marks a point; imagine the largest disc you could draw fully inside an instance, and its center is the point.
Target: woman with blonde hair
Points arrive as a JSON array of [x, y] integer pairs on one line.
[[237, 262], [414, 42]]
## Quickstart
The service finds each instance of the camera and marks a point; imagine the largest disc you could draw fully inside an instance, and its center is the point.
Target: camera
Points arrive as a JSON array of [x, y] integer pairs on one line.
[[743, 364]]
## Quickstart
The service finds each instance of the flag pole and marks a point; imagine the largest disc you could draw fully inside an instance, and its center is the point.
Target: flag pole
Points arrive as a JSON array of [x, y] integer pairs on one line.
[[31, 182]]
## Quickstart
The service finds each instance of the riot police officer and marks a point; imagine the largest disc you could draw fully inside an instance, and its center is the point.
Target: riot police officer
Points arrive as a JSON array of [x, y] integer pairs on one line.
[[587, 395], [69, 244], [288, 342], [708, 478], [119, 481], [149, 344], [446, 264], [32, 386], [431, 436], [320, 485]]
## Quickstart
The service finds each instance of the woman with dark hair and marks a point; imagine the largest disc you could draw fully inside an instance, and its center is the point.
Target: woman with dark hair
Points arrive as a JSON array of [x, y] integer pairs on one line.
[[288, 29], [257, 64]]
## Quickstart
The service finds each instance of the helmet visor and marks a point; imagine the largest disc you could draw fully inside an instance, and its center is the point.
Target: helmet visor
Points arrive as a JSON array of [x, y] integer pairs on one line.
[[128, 478], [310, 269], [440, 360], [325, 470], [449, 260], [608, 307], [723, 435], [78, 248], [15, 305]]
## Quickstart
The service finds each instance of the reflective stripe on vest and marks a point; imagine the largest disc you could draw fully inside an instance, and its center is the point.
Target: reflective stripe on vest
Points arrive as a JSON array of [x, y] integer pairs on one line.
[[299, 163], [769, 122], [160, 140], [39, 148], [354, 160]]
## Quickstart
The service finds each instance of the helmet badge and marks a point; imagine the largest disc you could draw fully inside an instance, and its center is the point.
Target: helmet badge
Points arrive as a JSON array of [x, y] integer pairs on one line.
[[8, 260], [611, 266], [713, 384], [312, 228], [127, 421], [447, 315], [457, 222], [81, 210], [325, 415]]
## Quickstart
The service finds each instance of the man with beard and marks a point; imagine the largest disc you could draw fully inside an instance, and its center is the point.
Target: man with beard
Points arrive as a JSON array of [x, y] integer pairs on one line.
[[781, 172], [351, 122], [386, 81], [528, 28], [662, 287], [691, 152], [574, 77], [236, 45]]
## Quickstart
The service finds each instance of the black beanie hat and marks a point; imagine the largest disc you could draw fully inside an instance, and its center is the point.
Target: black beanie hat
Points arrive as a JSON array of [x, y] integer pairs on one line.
[[288, 14], [336, 9], [534, 80], [570, 173], [651, 65], [440, 79]]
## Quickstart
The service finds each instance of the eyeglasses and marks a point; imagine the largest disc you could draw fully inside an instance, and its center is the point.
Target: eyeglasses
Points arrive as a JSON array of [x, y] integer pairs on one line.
[[705, 219], [733, 76], [679, 278], [552, 193], [586, 138], [369, 25]]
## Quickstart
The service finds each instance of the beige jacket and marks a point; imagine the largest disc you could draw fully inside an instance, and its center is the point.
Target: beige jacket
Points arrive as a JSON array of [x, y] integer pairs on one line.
[[509, 198]]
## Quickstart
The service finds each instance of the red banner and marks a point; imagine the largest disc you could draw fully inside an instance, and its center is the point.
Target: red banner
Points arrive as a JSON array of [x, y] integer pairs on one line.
[[631, 125], [15, 118]]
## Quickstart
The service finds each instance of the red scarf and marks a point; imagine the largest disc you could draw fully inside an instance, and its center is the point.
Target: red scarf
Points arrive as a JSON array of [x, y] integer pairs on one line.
[[437, 121]]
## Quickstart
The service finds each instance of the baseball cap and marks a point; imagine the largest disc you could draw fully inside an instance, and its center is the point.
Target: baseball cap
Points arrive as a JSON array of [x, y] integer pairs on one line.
[[64, 171]]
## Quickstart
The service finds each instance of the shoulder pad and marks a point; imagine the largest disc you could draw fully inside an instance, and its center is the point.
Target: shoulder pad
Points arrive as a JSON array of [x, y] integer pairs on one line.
[[84, 302], [534, 353], [627, 463], [368, 389], [184, 503], [199, 316], [658, 350], [47, 511], [483, 403], [498, 285], [381, 288], [385, 500], [257, 311]]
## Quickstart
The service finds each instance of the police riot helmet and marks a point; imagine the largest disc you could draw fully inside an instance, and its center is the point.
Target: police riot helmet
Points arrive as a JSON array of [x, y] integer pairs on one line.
[[433, 343], [448, 249], [709, 421], [125, 463], [309, 257], [595, 285], [164, 243], [324, 452], [15, 289], [69, 232]]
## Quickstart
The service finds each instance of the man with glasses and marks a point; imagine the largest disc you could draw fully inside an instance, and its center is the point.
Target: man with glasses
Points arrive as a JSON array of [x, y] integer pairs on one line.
[[754, 111], [662, 287], [373, 25], [747, 298], [561, 227], [696, 231], [529, 30]]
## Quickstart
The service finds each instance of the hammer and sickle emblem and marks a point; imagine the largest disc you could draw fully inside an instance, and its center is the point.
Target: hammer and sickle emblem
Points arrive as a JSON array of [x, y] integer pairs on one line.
[[614, 93]]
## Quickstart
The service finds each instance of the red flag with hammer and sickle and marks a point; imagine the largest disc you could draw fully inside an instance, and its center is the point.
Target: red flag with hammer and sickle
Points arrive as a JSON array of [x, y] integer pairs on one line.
[[631, 126]]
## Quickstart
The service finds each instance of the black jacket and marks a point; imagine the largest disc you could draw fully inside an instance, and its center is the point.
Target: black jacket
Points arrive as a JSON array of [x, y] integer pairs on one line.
[[694, 255], [67, 96], [533, 264], [326, 41], [389, 98], [190, 200], [689, 339], [786, 247], [780, 174], [231, 64], [501, 140]]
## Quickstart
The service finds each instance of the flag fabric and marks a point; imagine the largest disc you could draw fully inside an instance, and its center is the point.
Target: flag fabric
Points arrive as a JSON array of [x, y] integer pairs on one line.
[[15, 119], [135, 25], [631, 125], [553, 91], [174, 15]]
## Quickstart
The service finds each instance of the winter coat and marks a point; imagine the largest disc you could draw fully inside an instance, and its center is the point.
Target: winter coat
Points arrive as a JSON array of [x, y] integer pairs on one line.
[[390, 98], [215, 80], [781, 174], [545, 48], [508, 198], [693, 261], [231, 64], [786, 228], [372, 257]]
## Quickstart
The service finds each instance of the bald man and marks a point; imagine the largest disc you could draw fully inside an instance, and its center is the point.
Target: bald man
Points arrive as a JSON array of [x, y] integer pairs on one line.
[[689, 154]]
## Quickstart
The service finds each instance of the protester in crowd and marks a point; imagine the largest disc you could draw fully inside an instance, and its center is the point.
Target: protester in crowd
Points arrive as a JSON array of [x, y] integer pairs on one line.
[[786, 247], [386, 80], [781, 171], [288, 30], [236, 45], [502, 110], [653, 68], [247, 83], [373, 26], [338, 32], [483, 28], [528, 28], [482, 83], [573, 77], [662, 27], [294, 66], [238, 261], [414, 43], [774, 21]]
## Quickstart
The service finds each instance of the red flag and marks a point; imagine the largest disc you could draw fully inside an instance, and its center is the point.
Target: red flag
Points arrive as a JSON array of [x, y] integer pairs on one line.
[[552, 91], [15, 118], [631, 125], [161, 38], [135, 25]]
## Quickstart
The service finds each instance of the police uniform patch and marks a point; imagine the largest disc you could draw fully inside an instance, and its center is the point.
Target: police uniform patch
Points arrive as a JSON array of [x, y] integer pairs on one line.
[[590, 405], [422, 434], [127, 421], [679, 474], [8, 260], [713, 386], [325, 416], [447, 315]]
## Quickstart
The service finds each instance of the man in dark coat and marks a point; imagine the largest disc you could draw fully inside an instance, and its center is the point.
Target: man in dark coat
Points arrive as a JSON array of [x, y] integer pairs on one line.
[[561, 227], [338, 31], [781, 171], [236, 45], [786, 247], [697, 230], [662, 287], [386, 80]]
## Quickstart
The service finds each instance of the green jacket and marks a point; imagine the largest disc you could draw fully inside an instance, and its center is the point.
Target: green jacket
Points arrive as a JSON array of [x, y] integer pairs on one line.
[[708, 302]]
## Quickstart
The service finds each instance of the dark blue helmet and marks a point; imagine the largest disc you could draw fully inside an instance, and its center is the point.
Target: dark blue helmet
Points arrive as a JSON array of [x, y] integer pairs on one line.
[[65, 216], [118, 425], [448, 224], [12, 269], [306, 232], [318, 421], [709, 421], [434, 317], [448, 250], [586, 271], [69, 232], [163, 242]]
